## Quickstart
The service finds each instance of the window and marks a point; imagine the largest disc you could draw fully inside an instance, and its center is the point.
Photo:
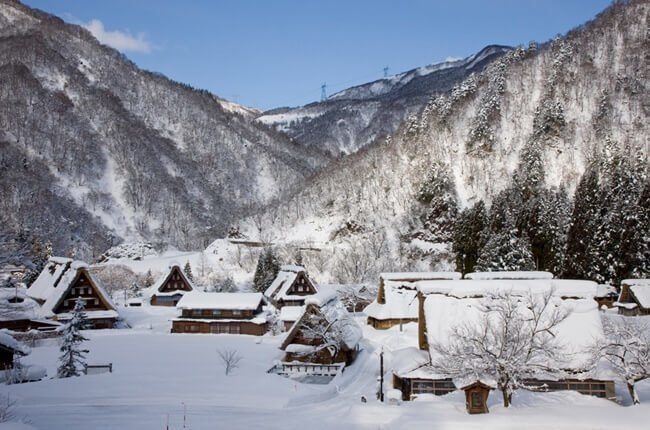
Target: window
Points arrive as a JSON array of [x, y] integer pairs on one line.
[[216, 312], [236, 312], [66, 302], [96, 301], [476, 399], [196, 312]]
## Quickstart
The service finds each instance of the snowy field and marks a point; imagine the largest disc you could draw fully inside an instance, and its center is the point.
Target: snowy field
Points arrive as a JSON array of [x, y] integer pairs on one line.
[[155, 373]]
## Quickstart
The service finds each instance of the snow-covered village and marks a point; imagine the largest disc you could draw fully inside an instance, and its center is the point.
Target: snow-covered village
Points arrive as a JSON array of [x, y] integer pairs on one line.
[[458, 239]]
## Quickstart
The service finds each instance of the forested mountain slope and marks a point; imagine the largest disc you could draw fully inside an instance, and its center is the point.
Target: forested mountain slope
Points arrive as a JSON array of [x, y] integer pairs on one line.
[[353, 118], [96, 151], [498, 158]]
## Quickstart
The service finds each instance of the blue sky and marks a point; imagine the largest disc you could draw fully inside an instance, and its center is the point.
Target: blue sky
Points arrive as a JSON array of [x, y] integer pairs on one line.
[[267, 54]]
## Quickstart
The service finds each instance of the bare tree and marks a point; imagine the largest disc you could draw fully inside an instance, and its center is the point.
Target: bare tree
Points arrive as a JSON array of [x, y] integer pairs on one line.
[[230, 359], [7, 409], [325, 335], [512, 341], [626, 348]]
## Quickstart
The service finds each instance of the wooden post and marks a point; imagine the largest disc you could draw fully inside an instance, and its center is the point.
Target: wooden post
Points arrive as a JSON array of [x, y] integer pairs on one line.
[[381, 375]]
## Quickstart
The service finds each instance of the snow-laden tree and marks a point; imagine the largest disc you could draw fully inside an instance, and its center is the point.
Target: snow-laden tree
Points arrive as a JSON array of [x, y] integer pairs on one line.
[[266, 271], [328, 336], [505, 251], [188, 271], [72, 358], [148, 279], [512, 341], [468, 236], [226, 285], [635, 245], [437, 197], [584, 221], [626, 347]]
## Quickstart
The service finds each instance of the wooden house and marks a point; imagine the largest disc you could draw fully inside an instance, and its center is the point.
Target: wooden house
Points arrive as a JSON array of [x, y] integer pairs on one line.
[[64, 281], [221, 313], [447, 303], [634, 298], [289, 315], [396, 301], [290, 287], [20, 313], [170, 287], [325, 333], [606, 295], [9, 347]]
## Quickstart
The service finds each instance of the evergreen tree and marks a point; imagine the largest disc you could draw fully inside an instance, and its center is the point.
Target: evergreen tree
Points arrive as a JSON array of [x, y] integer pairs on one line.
[[40, 254], [505, 251], [584, 220], [635, 244], [619, 195], [188, 271], [547, 221], [438, 199], [226, 286], [468, 236], [266, 271], [135, 289], [71, 361]]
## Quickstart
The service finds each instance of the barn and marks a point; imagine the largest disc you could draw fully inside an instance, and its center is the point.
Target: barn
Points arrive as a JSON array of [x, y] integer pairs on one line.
[[290, 287], [447, 303], [396, 301], [64, 281], [170, 287], [221, 313]]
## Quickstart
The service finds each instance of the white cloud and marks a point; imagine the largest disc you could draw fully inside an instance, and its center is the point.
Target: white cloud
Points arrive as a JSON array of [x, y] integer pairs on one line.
[[122, 41]]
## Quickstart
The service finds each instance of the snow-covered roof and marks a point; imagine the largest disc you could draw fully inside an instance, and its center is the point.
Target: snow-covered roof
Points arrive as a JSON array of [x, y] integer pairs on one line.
[[290, 313], [55, 280], [332, 310], [575, 334], [24, 308], [639, 282], [606, 290], [49, 278], [474, 288], [234, 301], [155, 288], [283, 281], [401, 303], [416, 276], [9, 342], [509, 275], [642, 294]]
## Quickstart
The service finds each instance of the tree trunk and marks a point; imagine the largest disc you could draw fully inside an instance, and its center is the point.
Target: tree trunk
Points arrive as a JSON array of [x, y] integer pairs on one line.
[[632, 390], [506, 397]]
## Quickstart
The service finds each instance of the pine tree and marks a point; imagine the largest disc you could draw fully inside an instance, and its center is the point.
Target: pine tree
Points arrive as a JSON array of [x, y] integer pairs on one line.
[[619, 195], [226, 286], [438, 198], [468, 236], [71, 361], [584, 220], [40, 254], [635, 244], [188, 271], [266, 271], [505, 251]]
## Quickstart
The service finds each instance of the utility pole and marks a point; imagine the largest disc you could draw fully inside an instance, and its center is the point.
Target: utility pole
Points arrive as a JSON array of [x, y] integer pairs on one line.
[[167, 428], [385, 71], [323, 93], [184, 416], [381, 375]]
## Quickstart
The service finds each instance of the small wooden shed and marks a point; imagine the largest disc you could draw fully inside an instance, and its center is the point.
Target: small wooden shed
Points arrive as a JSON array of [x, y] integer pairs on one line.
[[476, 395]]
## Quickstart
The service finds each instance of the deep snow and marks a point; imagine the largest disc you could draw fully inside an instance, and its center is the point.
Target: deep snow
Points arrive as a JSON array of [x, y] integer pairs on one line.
[[155, 373]]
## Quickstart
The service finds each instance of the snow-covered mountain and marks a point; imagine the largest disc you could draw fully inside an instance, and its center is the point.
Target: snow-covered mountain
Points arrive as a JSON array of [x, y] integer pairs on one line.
[[96, 151], [353, 118], [577, 99]]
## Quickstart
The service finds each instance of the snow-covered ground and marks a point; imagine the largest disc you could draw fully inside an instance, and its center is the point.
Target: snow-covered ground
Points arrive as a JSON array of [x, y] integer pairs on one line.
[[156, 373]]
